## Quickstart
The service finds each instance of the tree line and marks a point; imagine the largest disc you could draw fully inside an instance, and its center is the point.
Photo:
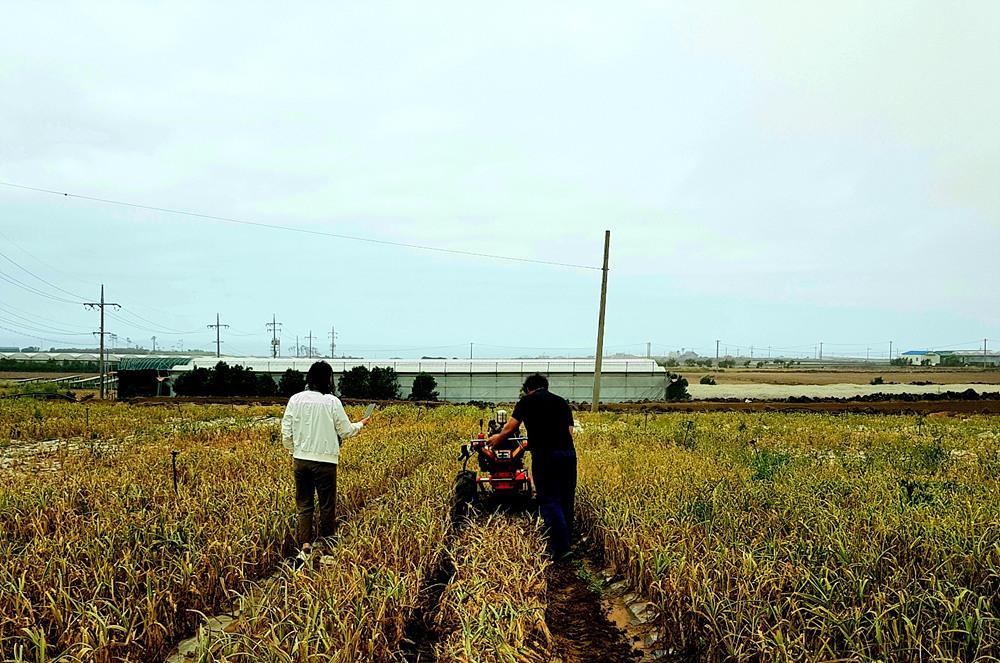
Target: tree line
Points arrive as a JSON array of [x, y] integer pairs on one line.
[[376, 384]]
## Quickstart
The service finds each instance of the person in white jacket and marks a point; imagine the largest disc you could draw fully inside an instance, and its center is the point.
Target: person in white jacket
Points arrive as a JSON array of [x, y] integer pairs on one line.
[[311, 429]]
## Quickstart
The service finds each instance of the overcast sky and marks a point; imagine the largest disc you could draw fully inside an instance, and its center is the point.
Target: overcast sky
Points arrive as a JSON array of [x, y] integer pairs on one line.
[[797, 173]]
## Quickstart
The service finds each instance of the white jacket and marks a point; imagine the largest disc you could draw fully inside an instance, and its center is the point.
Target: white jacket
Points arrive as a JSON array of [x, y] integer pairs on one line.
[[313, 426]]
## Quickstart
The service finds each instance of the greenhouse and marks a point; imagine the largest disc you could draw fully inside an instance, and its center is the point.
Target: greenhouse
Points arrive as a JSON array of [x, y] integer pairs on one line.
[[463, 380]]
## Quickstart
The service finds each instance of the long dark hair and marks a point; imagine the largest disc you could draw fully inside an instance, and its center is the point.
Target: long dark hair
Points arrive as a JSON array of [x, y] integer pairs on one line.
[[320, 378]]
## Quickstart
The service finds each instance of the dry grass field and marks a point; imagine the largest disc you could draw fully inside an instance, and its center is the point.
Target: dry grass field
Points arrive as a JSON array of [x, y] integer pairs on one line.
[[742, 536]]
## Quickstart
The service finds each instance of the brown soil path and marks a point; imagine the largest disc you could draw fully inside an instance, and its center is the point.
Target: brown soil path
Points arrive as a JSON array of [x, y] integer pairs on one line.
[[578, 622]]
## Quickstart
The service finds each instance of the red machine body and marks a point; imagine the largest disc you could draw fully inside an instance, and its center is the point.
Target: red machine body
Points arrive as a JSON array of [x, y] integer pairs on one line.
[[501, 468], [501, 480]]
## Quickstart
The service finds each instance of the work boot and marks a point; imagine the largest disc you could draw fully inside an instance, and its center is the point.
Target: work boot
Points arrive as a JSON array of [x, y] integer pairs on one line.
[[304, 558]]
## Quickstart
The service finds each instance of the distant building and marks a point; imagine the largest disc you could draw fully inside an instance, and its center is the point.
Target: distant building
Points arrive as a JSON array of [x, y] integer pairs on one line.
[[951, 358], [970, 357], [458, 380], [921, 357]]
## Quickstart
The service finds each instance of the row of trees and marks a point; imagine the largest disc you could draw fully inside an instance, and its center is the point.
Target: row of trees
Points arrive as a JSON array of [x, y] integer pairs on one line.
[[383, 384], [360, 382], [226, 380], [729, 363]]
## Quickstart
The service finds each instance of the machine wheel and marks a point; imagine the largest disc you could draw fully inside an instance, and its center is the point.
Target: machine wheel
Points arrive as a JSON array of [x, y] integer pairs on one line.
[[463, 495]]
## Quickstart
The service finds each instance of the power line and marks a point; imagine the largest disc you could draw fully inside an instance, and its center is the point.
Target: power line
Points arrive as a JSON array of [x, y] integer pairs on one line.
[[37, 259], [275, 226], [44, 330], [137, 325], [41, 338], [164, 328], [35, 319], [35, 291], [48, 283]]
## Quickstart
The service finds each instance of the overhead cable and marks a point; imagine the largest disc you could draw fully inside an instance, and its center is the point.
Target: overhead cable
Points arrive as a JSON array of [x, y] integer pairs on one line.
[[35, 291], [308, 231], [48, 283]]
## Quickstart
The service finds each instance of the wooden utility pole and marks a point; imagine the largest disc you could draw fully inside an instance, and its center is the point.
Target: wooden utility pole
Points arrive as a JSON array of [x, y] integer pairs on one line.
[[716, 352], [310, 337], [600, 325], [218, 341], [100, 305]]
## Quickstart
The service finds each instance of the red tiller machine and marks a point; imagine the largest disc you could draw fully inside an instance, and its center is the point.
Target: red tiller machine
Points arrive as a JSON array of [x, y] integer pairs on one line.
[[501, 480]]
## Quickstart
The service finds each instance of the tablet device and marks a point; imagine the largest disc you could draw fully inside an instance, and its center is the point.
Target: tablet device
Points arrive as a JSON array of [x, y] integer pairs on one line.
[[369, 410]]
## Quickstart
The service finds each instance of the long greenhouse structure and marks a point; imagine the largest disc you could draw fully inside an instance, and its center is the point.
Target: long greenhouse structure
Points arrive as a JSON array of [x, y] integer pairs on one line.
[[458, 380]]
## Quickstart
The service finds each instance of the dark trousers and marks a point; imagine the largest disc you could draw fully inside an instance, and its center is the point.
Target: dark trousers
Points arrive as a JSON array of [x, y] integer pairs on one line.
[[554, 473], [321, 479]]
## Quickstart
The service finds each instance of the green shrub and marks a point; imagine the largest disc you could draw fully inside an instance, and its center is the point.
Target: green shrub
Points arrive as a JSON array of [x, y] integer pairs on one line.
[[677, 388], [423, 388]]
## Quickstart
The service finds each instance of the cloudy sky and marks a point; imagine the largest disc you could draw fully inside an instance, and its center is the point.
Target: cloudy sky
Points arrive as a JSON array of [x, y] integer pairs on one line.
[[797, 173]]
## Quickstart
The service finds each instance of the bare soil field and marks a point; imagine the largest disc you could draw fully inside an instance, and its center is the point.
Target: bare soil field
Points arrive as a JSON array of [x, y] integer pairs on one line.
[[821, 376], [942, 407], [773, 392], [19, 375]]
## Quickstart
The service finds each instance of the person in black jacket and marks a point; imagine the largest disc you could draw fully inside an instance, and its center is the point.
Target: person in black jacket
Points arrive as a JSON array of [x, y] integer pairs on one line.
[[549, 422]]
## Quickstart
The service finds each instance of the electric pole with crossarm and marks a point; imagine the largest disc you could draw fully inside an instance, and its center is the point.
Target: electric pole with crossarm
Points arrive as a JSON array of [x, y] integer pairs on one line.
[[274, 327], [100, 305], [218, 341]]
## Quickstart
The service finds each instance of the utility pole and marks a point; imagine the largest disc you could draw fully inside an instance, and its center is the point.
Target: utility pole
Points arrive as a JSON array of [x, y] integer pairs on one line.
[[470, 350], [984, 352], [274, 327], [598, 356], [868, 355], [297, 346], [333, 342], [649, 350], [890, 353], [716, 352], [751, 352], [154, 344], [218, 342], [310, 337], [100, 305], [821, 350]]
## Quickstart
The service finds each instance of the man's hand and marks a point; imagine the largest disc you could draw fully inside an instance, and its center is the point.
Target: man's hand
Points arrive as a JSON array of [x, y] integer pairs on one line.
[[364, 421], [504, 433]]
